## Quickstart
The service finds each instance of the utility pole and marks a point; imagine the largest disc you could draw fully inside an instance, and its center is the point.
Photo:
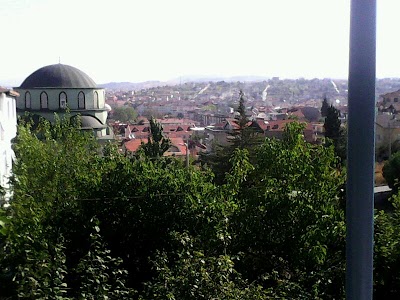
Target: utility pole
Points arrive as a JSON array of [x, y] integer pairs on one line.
[[360, 151]]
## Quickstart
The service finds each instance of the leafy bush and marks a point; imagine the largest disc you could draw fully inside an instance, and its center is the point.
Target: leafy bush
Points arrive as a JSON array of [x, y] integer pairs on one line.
[[391, 171], [273, 229]]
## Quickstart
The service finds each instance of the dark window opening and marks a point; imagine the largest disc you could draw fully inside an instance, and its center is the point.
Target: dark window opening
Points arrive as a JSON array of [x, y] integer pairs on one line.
[[81, 100], [63, 100], [27, 100], [44, 101]]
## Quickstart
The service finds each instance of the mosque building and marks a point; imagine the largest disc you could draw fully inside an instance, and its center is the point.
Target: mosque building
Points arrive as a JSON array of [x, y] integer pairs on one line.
[[60, 88]]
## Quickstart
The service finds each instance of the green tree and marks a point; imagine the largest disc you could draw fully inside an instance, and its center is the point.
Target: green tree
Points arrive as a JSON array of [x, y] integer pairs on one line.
[[387, 251], [273, 229], [124, 113], [157, 143], [332, 123], [334, 133], [324, 107], [56, 166], [32, 256], [289, 224], [196, 275], [391, 171], [100, 274], [242, 136], [241, 110], [245, 136], [151, 113]]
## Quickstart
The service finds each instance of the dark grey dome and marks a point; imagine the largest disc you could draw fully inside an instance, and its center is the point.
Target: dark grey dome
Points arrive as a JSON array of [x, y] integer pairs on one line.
[[58, 76], [88, 122]]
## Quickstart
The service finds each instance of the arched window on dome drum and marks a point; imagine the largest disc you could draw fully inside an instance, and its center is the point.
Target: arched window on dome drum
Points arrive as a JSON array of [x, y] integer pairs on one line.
[[44, 101], [81, 100], [27, 100], [96, 100], [63, 100]]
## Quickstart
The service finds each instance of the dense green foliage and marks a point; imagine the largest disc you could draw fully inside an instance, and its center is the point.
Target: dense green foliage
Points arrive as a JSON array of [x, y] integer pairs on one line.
[[391, 171], [124, 113], [157, 143], [387, 252], [242, 137], [293, 236], [91, 223], [324, 107], [332, 123], [335, 134]]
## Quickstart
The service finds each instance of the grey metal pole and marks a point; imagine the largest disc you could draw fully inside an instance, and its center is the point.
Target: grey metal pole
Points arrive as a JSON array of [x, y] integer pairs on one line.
[[360, 150]]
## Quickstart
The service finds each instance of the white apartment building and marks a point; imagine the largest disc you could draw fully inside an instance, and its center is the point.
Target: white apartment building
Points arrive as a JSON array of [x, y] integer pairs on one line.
[[8, 130]]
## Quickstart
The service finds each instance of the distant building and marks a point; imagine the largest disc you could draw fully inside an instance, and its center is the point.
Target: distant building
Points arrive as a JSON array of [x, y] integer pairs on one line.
[[223, 133], [387, 133], [389, 102], [276, 129], [56, 88], [318, 132], [8, 130], [208, 118], [392, 97]]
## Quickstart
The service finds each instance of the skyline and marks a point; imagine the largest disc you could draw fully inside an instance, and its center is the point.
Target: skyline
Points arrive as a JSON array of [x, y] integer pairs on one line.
[[138, 41]]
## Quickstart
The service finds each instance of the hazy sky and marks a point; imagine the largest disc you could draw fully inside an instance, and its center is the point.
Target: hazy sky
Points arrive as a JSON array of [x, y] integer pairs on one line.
[[138, 40]]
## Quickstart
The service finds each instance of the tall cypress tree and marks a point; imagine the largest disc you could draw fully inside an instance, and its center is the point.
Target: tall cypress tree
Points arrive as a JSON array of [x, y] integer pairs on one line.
[[243, 137], [242, 119], [332, 123], [157, 143], [334, 133], [324, 107]]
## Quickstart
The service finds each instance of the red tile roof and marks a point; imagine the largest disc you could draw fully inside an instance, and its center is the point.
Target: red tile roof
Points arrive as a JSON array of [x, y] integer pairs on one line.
[[180, 144], [176, 121], [134, 144], [176, 142], [278, 125]]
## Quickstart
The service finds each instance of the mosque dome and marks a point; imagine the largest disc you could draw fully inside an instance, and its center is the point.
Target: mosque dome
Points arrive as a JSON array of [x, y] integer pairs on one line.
[[58, 76]]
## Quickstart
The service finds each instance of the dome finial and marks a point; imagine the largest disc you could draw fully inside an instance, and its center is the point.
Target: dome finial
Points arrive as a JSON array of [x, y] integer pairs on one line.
[[59, 60]]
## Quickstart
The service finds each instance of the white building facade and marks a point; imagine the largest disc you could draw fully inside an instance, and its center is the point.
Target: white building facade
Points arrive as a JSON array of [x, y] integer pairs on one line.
[[8, 130]]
